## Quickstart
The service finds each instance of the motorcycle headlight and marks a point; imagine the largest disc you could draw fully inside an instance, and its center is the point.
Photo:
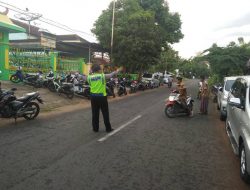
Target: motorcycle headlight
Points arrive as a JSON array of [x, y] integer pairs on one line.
[[171, 98]]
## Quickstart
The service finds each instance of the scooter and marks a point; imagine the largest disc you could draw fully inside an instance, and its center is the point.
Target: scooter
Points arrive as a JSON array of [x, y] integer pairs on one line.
[[82, 89], [174, 107], [61, 87]]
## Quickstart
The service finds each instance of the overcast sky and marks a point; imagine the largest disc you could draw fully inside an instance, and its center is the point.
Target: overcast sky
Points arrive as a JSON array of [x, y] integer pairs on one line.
[[204, 22]]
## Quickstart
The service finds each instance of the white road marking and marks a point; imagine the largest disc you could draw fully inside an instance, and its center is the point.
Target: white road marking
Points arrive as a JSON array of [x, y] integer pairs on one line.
[[118, 129]]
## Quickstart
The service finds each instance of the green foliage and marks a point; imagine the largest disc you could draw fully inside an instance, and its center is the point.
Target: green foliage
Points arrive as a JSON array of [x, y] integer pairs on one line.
[[228, 61], [168, 59], [142, 28], [214, 79], [192, 67]]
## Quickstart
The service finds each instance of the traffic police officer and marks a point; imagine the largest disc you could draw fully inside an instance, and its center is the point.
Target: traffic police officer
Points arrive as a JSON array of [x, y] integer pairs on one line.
[[97, 82]]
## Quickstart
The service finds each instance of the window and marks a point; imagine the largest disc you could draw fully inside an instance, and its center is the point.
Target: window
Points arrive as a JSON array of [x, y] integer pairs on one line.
[[235, 89], [243, 90], [229, 84], [147, 75], [238, 90]]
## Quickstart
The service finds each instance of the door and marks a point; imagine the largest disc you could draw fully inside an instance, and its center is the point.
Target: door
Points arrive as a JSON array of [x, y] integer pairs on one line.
[[238, 114]]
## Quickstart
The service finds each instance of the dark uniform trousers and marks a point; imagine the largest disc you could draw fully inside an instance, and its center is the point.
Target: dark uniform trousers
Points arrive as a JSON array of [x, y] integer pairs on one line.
[[97, 103]]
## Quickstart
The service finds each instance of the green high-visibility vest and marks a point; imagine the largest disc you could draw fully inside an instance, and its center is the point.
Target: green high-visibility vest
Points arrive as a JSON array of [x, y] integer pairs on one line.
[[97, 84]]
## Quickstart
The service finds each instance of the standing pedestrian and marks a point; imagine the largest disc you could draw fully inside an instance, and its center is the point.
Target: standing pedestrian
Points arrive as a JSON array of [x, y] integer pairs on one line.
[[204, 96], [97, 81]]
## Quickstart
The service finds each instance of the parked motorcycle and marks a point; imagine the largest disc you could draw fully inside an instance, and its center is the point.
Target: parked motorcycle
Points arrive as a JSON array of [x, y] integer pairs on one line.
[[110, 85], [215, 88], [141, 86], [35, 80], [170, 83], [82, 89], [121, 88], [61, 87], [133, 87], [17, 76], [174, 107], [25, 106]]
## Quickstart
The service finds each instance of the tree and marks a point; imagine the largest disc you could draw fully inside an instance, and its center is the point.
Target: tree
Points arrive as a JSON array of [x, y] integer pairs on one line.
[[228, 61], [142, 29], [168, 59]]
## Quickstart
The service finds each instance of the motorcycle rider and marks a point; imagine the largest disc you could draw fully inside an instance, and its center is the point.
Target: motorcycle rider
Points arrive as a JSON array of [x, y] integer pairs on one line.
[[183, 96], [182, 91], [179, 81]]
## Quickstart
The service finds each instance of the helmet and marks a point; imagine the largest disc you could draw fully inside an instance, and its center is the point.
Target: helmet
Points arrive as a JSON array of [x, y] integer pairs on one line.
[[179, 78]]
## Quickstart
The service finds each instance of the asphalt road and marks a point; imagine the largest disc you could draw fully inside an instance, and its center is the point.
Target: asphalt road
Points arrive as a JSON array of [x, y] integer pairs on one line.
[[147, 151]]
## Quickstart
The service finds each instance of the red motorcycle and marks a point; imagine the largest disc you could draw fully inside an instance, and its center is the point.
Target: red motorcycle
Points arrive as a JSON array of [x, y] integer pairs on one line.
[[174, 107]]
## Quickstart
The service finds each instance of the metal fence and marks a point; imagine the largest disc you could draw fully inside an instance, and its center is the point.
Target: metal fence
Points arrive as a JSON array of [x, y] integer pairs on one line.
[[33, 61], [66, 64], [29, 60]]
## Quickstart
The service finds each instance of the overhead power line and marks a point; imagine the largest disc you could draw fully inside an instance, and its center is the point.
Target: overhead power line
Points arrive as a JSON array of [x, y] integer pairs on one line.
[[29, 16]]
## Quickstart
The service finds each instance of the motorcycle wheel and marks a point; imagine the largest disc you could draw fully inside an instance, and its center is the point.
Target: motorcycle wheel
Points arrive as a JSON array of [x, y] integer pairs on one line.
[[51, 87], [35, 106], [119, 93], [14, 79], [38, 84], [125, 92], [190, 110], [70, 95], [169, 111]]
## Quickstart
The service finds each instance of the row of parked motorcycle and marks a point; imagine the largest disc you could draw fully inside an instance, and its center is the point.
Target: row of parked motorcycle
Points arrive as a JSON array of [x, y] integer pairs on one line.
[[72, 84], [27, 106]]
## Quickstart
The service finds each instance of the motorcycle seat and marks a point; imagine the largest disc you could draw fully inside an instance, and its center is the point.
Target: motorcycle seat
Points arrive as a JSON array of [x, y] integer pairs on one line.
[[22, 98], [65, 84]]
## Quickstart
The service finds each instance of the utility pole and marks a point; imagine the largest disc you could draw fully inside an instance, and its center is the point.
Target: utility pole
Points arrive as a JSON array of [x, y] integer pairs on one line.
[[112, 33], [28, 16]]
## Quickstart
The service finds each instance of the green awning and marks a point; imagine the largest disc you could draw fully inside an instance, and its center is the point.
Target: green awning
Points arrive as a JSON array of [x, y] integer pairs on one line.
[[7, 25]]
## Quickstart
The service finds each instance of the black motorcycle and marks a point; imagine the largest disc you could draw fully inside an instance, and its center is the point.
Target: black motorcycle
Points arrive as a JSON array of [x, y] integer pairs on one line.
[[12, 107], [122, 88], [110, 86], [141, 86]]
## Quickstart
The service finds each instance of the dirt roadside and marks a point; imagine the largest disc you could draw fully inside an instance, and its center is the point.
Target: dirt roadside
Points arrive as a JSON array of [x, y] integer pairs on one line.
[[53, 103]]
